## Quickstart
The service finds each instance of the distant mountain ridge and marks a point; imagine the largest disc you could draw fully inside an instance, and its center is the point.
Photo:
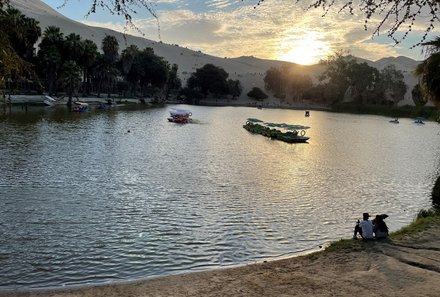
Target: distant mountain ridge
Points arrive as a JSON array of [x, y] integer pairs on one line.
[[248, 69]]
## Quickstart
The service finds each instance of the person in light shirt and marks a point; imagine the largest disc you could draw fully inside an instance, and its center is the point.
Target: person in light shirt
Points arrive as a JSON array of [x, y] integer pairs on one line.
[[364, 228]]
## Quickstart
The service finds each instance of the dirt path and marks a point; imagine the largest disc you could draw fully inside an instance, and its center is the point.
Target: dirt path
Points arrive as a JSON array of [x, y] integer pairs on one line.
[[406, 267]]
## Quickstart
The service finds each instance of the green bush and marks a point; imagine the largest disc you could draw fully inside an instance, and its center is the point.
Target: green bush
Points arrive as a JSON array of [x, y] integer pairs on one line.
[[436, 194], [425, 213], [257, 94]]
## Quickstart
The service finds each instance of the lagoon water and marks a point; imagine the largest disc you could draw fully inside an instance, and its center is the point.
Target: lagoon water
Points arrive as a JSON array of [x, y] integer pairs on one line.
[[84, 201]]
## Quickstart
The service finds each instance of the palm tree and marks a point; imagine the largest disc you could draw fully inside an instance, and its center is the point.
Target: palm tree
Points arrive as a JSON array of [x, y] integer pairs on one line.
[[18, 35], [429, 72], [11, 64], [105, 74], [70, 78], [108, 71], [173, 82], [129, 66], [127, 58], [87, 61], [73, 48], [110, 48], [23, 32], [33, 32], [49, 55]]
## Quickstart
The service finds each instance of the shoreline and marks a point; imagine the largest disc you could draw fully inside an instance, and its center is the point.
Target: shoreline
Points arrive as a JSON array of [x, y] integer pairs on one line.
[[270, 103], [405, 266], [55, 289]]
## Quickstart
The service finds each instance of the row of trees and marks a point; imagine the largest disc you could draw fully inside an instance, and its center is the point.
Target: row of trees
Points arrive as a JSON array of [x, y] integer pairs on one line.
[[343, 77], [285, 83], [70, 64], [134, 72], [365, 84], [210, 80], [18, 35]]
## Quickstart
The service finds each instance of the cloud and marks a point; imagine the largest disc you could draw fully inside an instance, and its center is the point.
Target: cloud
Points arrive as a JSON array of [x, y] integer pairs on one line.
[[269, 31], [218, 4]]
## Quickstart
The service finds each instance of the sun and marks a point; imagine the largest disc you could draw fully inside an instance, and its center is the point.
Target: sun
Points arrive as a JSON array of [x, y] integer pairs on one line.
[[306, 48]]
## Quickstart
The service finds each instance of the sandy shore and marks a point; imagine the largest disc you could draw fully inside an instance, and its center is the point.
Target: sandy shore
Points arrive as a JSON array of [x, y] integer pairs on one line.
[[405, 267]]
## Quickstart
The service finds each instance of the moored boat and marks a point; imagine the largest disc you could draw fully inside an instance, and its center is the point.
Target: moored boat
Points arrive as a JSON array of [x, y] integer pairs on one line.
[[49, 101], [395, 121], [180, 116], [80, 106], [293, 134], [419, 120]]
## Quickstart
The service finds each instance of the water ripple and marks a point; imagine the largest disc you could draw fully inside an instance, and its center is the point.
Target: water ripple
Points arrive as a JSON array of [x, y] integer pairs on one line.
[[82, 201]]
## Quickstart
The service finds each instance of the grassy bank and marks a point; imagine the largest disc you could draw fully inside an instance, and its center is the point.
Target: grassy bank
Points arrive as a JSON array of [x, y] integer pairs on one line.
[[428, 112], [424, 220]]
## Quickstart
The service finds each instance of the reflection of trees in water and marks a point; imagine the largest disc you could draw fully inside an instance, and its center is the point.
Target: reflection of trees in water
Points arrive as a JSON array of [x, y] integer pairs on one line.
[[25, 115], [20, 114]]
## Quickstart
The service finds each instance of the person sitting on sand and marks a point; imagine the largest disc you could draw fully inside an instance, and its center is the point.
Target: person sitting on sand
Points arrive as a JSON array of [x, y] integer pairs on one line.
[[380, 229], [364, 228]]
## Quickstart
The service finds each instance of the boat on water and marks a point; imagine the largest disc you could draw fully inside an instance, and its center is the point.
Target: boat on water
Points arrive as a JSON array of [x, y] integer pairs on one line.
[[80, 106], [49, 101], [291, 134], [395, 121], [180, 116], [419, 120]]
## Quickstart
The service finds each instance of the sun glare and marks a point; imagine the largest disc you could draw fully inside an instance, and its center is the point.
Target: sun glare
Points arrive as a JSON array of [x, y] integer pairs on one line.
[[305, 49]]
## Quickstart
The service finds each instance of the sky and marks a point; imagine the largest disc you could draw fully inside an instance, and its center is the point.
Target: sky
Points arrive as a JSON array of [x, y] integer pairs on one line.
[[276, 29]]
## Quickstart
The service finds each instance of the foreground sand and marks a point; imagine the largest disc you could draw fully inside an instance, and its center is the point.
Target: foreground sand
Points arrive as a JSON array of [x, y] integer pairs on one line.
[[406, 267]]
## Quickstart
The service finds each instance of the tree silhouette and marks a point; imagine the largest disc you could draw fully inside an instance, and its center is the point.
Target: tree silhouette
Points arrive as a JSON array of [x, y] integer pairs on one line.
[[209, 79], [70, 78], [18, 35], [257, 94], [50, 56], [73, 47], [429, 73], [87, 61]]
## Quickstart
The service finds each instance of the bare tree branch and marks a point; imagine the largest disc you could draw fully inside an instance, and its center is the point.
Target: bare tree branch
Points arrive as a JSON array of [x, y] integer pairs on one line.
[[397, 15]]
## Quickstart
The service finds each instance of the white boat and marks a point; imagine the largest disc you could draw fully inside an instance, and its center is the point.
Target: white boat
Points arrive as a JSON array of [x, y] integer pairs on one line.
[[181, 116], [395, 121], [49, 101], [80, 106]]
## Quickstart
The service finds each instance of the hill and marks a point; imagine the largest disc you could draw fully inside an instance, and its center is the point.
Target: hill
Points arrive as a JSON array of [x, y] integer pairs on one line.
[[249, 70]]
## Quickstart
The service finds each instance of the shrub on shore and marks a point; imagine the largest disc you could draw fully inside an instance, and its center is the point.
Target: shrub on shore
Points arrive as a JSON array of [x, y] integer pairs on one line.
[[435, 196], [406, 111], [423, 221]]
